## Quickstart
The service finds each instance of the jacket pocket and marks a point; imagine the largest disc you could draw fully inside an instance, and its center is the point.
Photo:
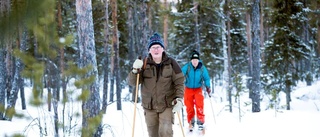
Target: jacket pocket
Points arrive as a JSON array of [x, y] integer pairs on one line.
[[146, 101], [169, 98], [167, 71]]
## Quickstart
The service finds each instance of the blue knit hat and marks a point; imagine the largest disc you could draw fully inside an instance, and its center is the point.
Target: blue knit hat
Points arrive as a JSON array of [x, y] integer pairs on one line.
[[155, 39]]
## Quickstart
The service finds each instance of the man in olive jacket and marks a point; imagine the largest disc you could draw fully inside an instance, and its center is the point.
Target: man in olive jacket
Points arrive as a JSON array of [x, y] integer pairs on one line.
[[162, 88]]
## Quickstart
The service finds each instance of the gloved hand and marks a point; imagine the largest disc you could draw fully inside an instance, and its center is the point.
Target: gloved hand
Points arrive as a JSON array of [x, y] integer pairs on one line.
[[208, 89], [137, 65], [177, 105]]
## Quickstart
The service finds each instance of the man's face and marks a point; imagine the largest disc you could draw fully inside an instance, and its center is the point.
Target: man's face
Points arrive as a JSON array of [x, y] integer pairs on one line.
[[195, 62], [156, 50]]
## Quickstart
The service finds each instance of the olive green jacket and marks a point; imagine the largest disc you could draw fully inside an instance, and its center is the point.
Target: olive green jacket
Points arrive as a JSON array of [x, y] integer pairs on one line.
[[159, 87]]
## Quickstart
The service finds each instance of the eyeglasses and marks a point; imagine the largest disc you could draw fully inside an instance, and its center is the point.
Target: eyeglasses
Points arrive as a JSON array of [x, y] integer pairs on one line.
[[156, 48]]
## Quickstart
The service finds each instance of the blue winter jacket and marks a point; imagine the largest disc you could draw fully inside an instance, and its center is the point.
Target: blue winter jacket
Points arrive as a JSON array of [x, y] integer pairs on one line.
[[196, 76]]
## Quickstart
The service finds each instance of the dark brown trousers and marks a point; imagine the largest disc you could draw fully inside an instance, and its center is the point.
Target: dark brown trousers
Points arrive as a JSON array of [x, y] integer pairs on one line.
[[159, 124]]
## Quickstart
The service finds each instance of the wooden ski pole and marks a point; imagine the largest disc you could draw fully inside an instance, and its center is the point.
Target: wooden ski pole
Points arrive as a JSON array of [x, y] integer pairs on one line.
[[180, 124], [135, 104]]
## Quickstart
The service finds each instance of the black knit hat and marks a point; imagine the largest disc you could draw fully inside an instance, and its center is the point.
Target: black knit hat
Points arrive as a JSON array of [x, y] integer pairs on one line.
[[155, 39], [195, 55]]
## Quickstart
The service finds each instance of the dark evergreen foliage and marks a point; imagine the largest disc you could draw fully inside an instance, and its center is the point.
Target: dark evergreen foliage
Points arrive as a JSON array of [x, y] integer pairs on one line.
[[286, 47], [209, 31], [290, 50]]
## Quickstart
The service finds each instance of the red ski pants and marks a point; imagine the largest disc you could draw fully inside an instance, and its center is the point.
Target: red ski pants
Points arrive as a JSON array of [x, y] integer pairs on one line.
[[193, 99]]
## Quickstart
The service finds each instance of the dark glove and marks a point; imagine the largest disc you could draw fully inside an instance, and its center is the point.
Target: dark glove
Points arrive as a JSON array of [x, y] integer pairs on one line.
[[208, 91]]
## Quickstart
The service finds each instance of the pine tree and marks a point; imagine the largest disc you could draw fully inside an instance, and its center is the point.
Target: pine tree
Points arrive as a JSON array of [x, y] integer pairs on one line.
[[286, 47]]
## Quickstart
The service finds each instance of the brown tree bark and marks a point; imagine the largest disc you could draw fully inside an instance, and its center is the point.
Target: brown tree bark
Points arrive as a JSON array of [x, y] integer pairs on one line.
[[229, 55], [248, 29], [115, 44]]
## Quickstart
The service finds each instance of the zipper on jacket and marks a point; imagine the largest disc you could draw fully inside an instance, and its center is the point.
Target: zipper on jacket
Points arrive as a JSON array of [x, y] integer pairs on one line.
[[194, 77], [158, 71]]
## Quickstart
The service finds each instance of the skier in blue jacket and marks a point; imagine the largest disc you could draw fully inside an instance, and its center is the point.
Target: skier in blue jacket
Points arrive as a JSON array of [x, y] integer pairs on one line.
[[196, 74]]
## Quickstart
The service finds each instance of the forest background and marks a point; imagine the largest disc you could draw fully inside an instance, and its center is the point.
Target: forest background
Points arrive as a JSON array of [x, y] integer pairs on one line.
[[273, 43]]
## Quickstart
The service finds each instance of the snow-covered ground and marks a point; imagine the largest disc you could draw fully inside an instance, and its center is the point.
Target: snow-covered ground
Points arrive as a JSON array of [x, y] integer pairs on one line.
[[302, 120]]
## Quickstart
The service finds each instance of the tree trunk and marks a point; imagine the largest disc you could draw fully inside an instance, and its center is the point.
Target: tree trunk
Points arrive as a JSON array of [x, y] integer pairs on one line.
[[266, 26], [261, 29], [9, 68], [4, 8], [248, 29], [112, 75], [53, 90], [105, 61], [2, 82], [224, 45], [22, 95], [55, 110], [196, 26], [229, 88], [307, 62], [318, 26], [288, 96], [21, 42], [165, 25], [61, 50], [55, 97], [256, 56], [115, 43], [10, 110], [63, 78], [150, 17], [143, 24], [91, 103], [111, 98], [53, 77], [49, 99], [131, 41]]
